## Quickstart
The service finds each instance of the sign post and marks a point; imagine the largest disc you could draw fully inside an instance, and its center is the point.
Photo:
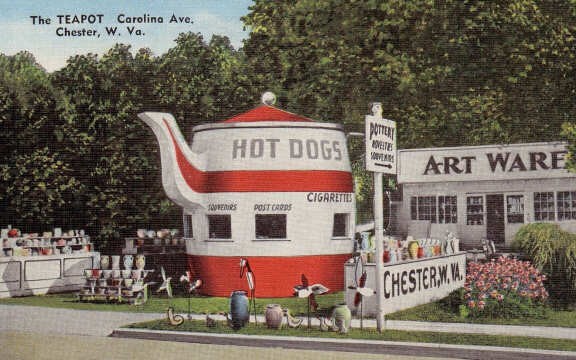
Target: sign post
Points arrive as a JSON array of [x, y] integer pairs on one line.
[[380, 141]]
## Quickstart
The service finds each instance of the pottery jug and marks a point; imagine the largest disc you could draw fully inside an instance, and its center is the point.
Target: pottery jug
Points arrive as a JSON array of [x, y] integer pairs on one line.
[[273, 316], [342, 317], [239, 309], [104, 262], [128, 262], [140, 262], [115, 261], [413, 250]]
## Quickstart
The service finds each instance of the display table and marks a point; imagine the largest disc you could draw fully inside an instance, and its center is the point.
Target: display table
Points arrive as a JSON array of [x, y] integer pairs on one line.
[[408, 283], [37, 275], [99, 288]]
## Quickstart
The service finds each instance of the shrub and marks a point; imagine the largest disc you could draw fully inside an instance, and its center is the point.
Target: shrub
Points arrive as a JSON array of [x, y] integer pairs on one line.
[[503, 288], [553, 251]]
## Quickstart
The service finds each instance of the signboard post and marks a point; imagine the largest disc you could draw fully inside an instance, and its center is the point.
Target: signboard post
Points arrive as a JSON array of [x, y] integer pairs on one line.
[[380, 138]]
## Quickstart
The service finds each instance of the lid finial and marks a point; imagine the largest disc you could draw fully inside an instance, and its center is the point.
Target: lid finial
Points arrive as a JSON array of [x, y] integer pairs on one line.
[[268, 98]]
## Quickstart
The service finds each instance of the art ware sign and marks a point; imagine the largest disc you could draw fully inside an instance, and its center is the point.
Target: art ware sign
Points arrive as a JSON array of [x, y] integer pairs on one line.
[[506, 162], [412, 283]]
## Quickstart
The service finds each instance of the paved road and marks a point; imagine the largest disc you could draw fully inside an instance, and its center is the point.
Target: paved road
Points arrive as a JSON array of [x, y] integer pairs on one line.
[[36, 333]]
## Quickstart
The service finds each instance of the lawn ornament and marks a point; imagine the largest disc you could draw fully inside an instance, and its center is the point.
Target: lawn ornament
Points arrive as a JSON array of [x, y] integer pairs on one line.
[[304, 290], [361, 292], [291, 321], [192, 287], [211, 323], [246, 270], [165, 283], [173, 319]]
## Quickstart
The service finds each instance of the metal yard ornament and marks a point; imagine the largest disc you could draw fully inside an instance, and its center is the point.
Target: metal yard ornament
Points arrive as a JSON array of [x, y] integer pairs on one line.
[[193, 286], [245, 269], [361, 292], [304, 290], [166, 283]]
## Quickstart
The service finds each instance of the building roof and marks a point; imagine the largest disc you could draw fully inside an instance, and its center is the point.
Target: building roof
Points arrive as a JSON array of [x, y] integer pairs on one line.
[[266, 113]]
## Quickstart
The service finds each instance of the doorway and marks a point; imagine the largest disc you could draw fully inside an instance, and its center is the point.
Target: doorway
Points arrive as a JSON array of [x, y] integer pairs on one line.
[[495, 218]]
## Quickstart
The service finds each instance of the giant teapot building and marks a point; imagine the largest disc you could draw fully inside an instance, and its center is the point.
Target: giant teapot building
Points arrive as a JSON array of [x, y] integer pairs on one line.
[[485, 191]]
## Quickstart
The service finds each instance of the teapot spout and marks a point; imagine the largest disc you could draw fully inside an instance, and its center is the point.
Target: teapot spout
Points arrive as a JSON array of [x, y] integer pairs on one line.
[[181, 168]]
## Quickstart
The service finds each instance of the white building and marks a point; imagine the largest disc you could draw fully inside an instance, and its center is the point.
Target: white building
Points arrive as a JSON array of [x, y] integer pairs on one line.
[[484, 191]]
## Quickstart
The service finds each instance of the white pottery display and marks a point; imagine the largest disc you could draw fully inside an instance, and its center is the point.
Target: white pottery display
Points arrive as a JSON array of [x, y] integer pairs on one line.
[[128, 262], [136, 274], [140, 262], [104, 261], [126, 274], [115, 261]]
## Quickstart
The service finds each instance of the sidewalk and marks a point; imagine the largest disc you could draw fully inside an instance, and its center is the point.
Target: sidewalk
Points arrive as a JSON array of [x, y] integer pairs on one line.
[[102, 323]]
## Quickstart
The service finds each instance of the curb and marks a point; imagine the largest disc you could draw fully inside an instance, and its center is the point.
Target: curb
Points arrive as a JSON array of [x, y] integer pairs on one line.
[[547, 332], [347, 345]]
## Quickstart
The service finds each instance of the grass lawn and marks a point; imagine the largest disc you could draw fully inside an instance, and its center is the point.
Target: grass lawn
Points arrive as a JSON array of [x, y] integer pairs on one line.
[[430, 312], [370, 334]]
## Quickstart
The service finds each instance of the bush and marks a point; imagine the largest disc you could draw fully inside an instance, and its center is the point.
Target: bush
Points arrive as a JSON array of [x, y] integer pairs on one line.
[[553, 251], [504, 288]]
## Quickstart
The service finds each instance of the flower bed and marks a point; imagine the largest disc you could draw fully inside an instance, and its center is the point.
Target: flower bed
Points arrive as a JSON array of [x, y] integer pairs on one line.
[[503, 288]]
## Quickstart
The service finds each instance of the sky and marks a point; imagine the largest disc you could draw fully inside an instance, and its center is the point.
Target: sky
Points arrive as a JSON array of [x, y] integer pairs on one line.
[[44, 27]]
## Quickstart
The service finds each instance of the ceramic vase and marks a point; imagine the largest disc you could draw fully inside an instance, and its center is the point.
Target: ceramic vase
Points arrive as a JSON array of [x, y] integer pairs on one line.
[[104, 262], [273, 316], [239, 309], [115, 261], [128, 262], [140, 262], [342, 318], [413, 250]]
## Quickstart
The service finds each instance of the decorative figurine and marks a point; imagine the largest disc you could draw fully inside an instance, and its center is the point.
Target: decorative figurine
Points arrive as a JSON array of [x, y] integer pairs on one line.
[[165, 283], [174, 320], [305, 291], [245, 269]]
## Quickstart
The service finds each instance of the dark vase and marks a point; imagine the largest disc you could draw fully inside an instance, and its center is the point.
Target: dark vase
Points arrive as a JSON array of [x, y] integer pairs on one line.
[[239, 313]]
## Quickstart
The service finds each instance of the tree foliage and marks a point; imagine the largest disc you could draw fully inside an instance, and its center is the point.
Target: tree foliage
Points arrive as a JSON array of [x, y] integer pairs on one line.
[[78, 155], [451, 72]]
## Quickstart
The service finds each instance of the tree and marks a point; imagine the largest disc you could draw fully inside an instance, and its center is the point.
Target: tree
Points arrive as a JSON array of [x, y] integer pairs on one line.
[[452, 72], [37, 185]]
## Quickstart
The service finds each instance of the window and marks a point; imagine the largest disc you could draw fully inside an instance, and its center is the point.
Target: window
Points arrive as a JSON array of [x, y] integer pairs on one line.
[[423, 208], [219, 227], [270, 226], [340, 228], [544, 206], [447, 213], [566, 201], [188, 233], [475, 210], [515, 208]]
